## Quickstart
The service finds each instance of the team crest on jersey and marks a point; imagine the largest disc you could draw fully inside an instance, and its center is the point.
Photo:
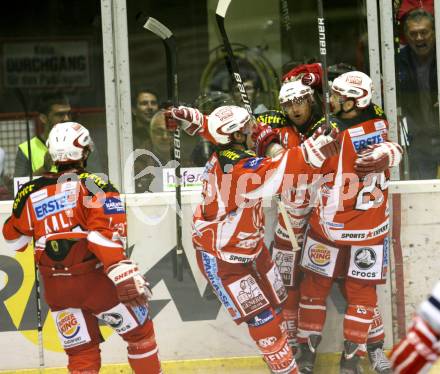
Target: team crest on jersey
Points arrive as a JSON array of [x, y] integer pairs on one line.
[[361, 142], [248, 294]]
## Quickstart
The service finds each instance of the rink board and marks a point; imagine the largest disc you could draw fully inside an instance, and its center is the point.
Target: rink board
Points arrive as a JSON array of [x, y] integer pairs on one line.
[[189, 322]]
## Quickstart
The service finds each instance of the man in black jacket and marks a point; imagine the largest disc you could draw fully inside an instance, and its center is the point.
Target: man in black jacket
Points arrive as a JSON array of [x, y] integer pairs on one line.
[[417, 79]]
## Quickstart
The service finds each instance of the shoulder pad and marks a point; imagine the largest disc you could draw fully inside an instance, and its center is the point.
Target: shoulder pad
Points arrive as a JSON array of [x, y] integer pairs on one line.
[[98, 181], [25, 191], [232, 157], [274, 118]]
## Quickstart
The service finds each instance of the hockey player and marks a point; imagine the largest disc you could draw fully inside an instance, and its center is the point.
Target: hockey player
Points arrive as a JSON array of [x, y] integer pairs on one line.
[[296, 122], [350, 220], [78, 224], [228, 226], [420, 348]]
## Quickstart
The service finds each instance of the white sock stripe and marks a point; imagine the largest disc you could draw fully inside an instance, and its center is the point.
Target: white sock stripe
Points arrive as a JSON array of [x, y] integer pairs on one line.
[[16, 244], [317, 307], [98, 238], [306, 333], [421, 326], [374, 334], [411, 358], [357, 319], [143, 355], [399, 350], [431, 314]]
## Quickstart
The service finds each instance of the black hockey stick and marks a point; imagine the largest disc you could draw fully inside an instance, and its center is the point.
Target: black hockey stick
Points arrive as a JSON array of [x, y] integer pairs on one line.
[[169, 42], [323, 54], [222, 8], [37, 279], [286, 24]]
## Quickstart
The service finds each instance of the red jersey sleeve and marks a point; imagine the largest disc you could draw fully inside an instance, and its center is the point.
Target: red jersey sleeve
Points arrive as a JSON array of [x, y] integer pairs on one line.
[[106, 223]]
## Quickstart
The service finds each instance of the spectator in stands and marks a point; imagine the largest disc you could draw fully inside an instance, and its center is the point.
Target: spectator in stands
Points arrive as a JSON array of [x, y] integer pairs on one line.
[[145, 104], [4, 192], [417, 89], [53, 108]]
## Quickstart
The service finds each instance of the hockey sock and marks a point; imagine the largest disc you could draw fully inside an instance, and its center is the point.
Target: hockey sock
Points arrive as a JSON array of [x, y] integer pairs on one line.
[[272, 343], [290, 314], [418, 351], [312, 306], [376, 333], [84, 361]]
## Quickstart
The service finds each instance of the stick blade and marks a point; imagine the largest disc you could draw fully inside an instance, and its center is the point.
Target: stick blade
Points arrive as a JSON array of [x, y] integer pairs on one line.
[[222, 7], [158, 28]]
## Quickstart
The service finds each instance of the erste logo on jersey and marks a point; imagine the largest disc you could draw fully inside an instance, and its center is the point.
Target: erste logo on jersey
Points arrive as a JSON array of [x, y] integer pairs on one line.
[[319, 254], [113, 205], [67, 324], [54, 204], [362, 141]]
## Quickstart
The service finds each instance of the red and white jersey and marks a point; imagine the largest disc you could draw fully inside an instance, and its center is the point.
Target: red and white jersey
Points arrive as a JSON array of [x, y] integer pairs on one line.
[[81, 206], [350, 210], [229, 222]]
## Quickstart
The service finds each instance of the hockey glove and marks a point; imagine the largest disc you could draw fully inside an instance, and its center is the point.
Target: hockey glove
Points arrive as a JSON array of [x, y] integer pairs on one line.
[[320, 147], [263, 136], [310, 74], [421, 345], [192, 119], [131, 287], [377, 158]]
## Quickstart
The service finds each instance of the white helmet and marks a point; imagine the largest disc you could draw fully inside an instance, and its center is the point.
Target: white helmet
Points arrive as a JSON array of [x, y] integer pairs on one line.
[[355, 85], [67, 141], [294, 91], [226, 120]]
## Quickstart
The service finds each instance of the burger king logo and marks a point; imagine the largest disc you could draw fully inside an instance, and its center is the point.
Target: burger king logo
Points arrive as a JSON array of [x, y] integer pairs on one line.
[[319, 254], [67, 324]]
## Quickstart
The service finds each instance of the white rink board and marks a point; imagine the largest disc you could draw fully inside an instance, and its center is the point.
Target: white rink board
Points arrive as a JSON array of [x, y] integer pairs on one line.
[[192, 326]]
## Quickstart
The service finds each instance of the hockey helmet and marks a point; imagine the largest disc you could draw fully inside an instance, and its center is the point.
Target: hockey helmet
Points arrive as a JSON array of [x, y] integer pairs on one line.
[[354, 85], [67, 142], [226, 120], [294, 91]]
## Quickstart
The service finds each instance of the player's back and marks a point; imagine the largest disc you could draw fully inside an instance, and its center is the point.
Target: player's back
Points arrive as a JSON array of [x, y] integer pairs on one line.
[[351, 210]]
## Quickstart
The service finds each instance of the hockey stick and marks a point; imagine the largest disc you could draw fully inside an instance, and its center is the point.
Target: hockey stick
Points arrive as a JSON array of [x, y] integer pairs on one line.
[[283, 211], [37, 279], [222, 8], [169, 42], [287, 26], [323, 54]]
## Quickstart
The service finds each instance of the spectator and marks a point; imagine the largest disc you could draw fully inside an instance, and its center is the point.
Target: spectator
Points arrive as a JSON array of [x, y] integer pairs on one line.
[[4, 192], [417, 80], [53, 109], [145, 105]]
